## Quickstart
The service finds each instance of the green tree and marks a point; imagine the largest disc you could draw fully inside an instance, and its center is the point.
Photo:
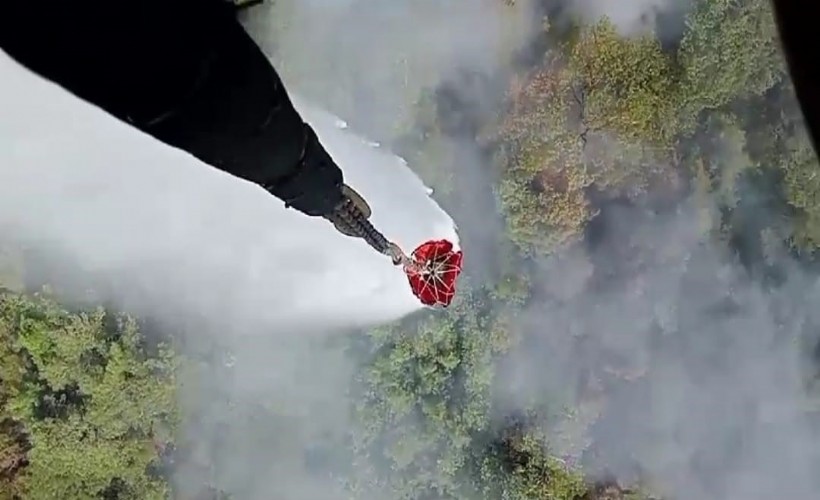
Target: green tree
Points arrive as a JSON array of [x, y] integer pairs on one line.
[[600, 112], [424, 394], [92, 400], [779, 145], [623, 85], [518, 466], [801, 184], [729, 50], [541, 190], [14, 447], [428, 420]]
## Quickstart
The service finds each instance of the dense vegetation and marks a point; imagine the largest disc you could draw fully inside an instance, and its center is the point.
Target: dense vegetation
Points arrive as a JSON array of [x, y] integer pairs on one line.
[[85, 408], [594, 121]]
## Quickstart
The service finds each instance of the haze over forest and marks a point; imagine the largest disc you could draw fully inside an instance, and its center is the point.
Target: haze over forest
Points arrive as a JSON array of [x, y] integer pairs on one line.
[[639, 207]]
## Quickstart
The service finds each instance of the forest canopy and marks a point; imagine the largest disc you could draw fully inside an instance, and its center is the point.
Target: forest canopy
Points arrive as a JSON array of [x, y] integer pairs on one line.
[[596, 120]]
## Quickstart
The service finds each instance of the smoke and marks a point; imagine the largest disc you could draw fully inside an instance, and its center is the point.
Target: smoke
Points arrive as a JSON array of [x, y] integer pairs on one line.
[[258, 293], [686, 370], [269, 417], [631, 17], [685, 367], [369, 61], [691, 370]]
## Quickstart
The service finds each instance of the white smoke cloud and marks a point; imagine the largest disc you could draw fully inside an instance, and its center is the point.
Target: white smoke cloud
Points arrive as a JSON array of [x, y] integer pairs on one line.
[[259, 286], [713, 411]]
